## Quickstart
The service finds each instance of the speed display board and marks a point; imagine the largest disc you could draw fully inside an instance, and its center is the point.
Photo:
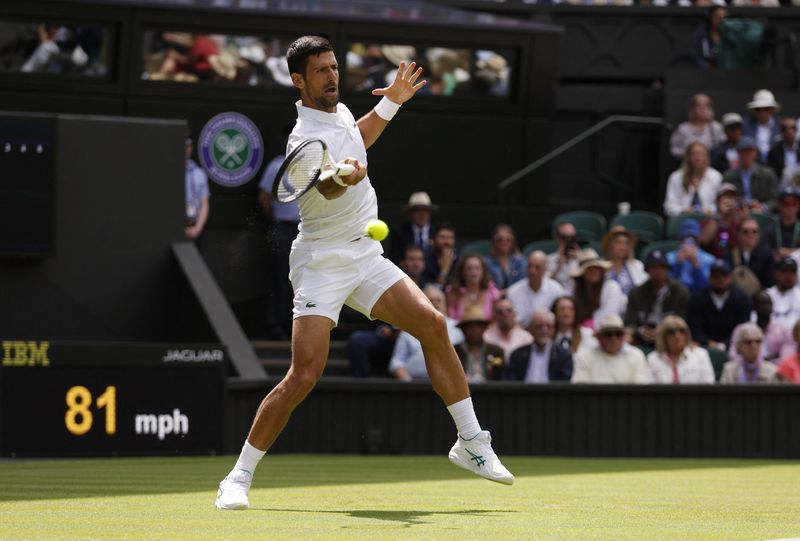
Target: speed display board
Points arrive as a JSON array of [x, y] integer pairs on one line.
[[70, 399]]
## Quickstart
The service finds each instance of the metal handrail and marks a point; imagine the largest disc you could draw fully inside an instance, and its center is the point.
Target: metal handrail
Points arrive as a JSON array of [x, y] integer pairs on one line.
[[613, 119]]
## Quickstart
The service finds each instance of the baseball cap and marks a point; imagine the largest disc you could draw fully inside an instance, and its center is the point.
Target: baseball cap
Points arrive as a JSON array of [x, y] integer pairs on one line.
[[690, 228], [746, 142], [787, 263], [726, 187], [788, 191], [729, 119], [656, 257], [720, 266]]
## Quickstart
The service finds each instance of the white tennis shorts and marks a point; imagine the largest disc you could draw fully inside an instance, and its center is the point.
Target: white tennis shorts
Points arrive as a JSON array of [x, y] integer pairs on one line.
[[326, 278]]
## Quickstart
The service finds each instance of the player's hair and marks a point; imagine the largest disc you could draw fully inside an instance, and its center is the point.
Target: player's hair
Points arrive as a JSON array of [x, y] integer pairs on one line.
[[299, 51]]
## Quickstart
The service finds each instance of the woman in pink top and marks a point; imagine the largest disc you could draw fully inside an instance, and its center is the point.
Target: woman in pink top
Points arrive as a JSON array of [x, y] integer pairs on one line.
[[789, 369], [471, 286]]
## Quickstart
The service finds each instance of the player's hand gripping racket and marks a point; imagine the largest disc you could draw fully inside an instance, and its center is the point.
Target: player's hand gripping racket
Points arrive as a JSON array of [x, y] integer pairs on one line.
[[306, 166]]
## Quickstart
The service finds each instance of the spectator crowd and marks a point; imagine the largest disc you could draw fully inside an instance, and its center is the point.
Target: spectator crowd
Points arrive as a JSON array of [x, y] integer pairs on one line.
[[721, 302]]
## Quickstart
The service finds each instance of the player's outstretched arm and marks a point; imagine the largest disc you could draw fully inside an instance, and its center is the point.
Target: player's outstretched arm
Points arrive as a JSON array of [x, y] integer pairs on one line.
[[401, 90]]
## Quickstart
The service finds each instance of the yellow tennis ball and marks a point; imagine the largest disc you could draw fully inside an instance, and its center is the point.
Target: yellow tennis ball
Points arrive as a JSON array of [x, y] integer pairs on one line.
[[377, 230]]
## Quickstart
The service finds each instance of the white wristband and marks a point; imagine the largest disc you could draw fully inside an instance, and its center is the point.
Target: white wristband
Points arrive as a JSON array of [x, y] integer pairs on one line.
[[386, 108], [339, 181]]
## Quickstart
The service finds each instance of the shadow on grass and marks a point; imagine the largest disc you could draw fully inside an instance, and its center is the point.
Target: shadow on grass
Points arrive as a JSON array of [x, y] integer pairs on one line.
[[84, 478], [407, 518]]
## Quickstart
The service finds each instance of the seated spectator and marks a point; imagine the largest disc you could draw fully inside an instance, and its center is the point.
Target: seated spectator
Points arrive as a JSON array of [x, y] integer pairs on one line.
[[197, 196], [699, 127], [442, 256], [785, 294], [784, 152], [708, 39], [481, 361], [786, 237], [408, 360], [718, 233], [471, 286], [789, 367], [648, 304], [618, 245], [564, 261], [506, 263], [750, 367], [569, 332], [750, 253], [542, 361], [724, 156], [763, 124], [368, 348], [756, 183], [718, 309], [504, 331], [537, 292], [676, 359], [693, 187], [594, 295], [613, 360], [415, 232], [413, 264], [778, 342], [689, 264]]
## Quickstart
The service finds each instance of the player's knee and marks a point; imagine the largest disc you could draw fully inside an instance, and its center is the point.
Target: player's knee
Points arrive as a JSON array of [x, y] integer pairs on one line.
[[304, 378], [432, 327]]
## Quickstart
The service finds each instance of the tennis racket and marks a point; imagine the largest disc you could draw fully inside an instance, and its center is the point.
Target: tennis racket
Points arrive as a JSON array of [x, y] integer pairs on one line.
[[305, 167]]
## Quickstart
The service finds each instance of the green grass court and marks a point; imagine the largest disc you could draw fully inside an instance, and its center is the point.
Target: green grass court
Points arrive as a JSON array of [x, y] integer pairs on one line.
[[393, 497]]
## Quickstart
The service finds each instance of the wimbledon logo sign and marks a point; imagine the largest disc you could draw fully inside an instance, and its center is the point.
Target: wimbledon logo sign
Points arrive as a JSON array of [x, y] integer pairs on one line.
[[230, 149]]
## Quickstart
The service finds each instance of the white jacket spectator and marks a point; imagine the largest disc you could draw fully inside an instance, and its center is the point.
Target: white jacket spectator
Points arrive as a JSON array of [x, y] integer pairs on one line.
[[613, 361], [693, 187], [675, 359], [537, 292]]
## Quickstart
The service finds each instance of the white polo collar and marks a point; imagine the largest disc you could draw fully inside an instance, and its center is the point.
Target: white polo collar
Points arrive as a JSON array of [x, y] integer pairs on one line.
[[316, 114]]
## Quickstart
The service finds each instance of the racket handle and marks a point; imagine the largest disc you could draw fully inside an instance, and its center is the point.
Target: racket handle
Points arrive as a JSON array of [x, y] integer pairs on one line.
[[344, 169]]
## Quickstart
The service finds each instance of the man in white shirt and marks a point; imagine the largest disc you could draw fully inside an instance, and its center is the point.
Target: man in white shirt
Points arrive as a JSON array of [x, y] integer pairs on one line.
[[564, 261], [504, 331], [613, 361], [785, 294], [333, 263], [537, 292], [408, 361]]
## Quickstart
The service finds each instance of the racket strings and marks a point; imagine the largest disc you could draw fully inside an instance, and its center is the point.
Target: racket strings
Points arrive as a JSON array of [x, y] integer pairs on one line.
[[304, 169]]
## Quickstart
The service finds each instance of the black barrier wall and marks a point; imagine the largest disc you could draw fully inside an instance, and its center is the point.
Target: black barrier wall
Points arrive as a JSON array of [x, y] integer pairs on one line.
[[118, 207], [568, 420]]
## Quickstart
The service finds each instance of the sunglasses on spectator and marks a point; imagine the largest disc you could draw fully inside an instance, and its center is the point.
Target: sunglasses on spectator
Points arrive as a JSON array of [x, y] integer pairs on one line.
[[789, 127], [612, 334], [676, 330]]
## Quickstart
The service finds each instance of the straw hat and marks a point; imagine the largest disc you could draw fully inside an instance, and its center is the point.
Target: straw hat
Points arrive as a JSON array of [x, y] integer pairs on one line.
[[610, 322], [605, 243], [473, 314], [763, 98], [223, 64], [589, 258], [279, 69], [420, 200], [398, 53]]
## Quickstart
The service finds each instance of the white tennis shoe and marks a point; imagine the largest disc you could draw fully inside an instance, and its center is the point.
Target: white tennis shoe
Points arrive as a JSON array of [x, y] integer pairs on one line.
[[232, 493], [477, 456]]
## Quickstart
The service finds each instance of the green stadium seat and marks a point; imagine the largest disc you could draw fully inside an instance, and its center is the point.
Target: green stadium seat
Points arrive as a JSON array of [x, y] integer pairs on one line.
[[674, 224], [718, 360], [548, 246], [663, 245], [482, 247], [589, 225], [648, 226]]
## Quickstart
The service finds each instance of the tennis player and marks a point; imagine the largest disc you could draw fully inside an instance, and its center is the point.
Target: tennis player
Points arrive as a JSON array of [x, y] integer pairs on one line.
[[332, 263]]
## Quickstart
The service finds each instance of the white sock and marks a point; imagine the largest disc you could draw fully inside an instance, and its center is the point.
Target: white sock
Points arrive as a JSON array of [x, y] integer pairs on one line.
[[248, 459], [464, 417]]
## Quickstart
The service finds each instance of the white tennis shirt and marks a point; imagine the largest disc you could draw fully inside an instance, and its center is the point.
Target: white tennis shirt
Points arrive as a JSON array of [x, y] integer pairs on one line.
[[341, 220]]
